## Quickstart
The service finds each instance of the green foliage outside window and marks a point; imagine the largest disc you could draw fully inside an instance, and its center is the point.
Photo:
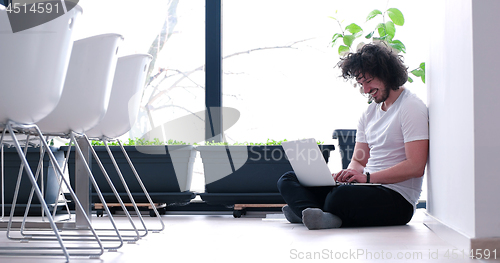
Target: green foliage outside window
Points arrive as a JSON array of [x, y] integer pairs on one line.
[[384, 31]]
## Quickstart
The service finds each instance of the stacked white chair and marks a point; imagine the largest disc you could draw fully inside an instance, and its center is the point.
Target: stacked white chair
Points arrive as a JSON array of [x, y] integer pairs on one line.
[[83, 104], [32, 72], [122, 113]]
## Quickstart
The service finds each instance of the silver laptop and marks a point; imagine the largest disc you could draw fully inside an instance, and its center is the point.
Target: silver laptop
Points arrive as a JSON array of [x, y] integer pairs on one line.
[[309, 165]]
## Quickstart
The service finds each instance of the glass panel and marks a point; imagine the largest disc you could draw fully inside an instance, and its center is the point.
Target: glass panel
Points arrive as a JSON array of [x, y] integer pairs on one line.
[[280, 69], [173, 31], [176, 85]]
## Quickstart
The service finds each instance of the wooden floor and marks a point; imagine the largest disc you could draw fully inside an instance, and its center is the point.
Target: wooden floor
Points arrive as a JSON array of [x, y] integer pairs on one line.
[[258, 237]]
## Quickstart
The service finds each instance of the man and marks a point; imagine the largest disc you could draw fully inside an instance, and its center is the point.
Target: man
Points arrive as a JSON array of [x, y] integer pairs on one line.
[[391, 149]]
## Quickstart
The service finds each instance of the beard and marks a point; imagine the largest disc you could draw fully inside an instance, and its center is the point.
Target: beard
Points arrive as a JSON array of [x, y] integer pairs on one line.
[[382, 95]]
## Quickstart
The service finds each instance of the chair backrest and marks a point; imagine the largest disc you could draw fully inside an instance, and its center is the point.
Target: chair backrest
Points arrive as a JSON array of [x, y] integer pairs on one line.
[[125, 98], [87, 87], [33, 65]]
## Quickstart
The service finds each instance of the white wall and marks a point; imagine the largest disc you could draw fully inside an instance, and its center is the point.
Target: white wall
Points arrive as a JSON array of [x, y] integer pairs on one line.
[[462, 71], [451, 119], [486, 116]]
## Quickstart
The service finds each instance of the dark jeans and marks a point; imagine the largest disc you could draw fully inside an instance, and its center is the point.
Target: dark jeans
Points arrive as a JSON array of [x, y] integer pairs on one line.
[[356, 205]]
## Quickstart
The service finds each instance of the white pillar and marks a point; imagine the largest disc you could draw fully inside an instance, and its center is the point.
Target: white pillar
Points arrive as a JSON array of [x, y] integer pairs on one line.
[[462, 71]]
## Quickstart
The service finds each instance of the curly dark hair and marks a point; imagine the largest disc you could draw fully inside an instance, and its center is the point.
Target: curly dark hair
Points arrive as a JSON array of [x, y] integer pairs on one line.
[[377, 61]]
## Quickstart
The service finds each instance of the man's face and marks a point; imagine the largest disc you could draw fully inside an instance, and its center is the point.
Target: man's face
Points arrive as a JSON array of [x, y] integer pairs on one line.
[[374, 87]]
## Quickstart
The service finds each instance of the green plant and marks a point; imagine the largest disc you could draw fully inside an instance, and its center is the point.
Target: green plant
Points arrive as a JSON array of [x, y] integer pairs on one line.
[[156, 141], [384, 32], [100, 143], [268, 142], [137, 141]]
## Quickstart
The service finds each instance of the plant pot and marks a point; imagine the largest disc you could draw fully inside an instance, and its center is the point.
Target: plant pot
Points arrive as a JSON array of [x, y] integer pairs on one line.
[[245, 174], [347, 140], [12, 164], [166, 172]]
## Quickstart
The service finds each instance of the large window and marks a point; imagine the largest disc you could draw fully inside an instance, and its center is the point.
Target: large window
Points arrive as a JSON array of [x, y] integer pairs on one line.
[[278, 64], [279, 67]]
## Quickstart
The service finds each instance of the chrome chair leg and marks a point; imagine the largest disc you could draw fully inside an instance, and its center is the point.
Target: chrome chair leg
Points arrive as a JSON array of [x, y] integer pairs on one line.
[[142, 187], [3, 182], [2, 164], [118, 171], [113, 189], [109, 238], [38, 193], [38, 172], [79, 237], [60, 189], [12, 250], [16, 191]]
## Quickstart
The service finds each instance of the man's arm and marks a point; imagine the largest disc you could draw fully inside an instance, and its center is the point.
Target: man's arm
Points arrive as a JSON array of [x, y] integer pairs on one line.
[[359, 157], [414, 165], [358, 162]]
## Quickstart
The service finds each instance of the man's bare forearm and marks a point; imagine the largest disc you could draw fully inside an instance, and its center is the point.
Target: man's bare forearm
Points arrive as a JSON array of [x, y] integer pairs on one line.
[[355, 165]]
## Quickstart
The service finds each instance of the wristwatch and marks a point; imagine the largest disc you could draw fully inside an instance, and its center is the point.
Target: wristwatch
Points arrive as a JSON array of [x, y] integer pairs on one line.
[[367, 177]]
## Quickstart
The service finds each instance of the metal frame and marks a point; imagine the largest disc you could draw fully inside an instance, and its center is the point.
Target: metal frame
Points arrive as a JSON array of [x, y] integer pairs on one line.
[[115, 192], [110, 238], [213, 70], [132, 238], [33, 250], [132, 167]]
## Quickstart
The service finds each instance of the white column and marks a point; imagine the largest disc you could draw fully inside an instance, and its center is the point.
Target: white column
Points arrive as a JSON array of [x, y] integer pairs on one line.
[[462, 71]]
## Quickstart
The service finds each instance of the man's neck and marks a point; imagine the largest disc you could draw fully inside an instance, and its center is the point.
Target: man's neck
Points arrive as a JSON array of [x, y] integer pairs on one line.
[[393, 96]]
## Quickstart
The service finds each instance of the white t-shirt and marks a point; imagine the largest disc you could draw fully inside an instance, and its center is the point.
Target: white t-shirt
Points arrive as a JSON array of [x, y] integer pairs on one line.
[[386, 132]]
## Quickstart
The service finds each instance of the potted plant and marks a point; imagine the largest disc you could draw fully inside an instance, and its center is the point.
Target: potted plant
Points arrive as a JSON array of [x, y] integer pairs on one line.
[[165, 168], [245, 173]]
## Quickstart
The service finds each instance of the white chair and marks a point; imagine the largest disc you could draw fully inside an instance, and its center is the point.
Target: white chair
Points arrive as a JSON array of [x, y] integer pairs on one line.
[[33, 67], [32, 73], [125, 99], [122, 113], [84, 103], [126, 94], [87, 88]]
